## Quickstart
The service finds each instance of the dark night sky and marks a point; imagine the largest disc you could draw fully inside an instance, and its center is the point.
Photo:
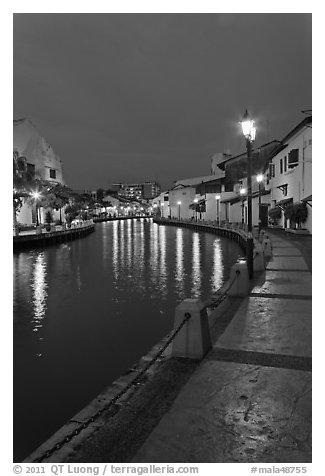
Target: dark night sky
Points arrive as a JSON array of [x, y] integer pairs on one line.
[[133, 97]]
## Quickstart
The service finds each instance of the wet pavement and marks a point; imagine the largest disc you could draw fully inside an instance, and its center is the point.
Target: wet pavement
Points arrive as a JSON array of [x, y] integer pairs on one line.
[[248, 400]]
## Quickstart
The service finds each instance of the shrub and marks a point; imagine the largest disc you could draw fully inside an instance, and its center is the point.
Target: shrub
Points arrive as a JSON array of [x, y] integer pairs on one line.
[[297, 213], [275, 213]]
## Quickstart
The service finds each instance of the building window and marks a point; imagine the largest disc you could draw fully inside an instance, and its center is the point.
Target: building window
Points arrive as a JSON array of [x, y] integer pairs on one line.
[[309, 142], [272, 170], [285, 163], [52, 173], [293, 158], [281, 166]]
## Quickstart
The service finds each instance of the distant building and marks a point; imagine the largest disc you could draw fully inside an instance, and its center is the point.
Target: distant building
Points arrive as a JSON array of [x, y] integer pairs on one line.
[[136, 191]]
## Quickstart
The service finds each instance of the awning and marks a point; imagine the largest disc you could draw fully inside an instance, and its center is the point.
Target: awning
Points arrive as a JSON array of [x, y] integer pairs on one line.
[[284, 202], [307, 199], [198, 206]]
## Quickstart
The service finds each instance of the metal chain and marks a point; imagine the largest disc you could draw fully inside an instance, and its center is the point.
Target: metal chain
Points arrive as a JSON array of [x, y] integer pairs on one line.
[[224, 293], [116, 397]]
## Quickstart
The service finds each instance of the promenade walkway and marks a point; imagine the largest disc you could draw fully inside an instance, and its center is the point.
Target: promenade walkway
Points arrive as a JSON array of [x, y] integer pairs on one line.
[[250, 398]]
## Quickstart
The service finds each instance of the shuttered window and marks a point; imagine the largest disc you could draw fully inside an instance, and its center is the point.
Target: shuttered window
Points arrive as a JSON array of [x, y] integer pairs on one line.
[[293, 158]]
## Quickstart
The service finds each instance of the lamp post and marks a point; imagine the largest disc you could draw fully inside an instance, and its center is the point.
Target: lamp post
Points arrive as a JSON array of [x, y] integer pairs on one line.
[[162, 210], [249, 133], [37, 196], [195, 201], [218, 208], [259, 180], [242, 193], [179, 210]]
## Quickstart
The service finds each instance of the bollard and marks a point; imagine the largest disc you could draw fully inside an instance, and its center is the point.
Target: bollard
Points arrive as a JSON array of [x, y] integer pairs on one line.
[[267, 248], [193, 340], [261, 236], [240, 286], [259, 262]]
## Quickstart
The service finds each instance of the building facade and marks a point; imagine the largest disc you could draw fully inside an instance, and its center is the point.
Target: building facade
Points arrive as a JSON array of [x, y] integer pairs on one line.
[[136, 191], [42, 161], [290, 173]]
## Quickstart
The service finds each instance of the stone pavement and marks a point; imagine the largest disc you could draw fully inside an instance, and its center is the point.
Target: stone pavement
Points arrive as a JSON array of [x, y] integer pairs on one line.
[[250, 399]]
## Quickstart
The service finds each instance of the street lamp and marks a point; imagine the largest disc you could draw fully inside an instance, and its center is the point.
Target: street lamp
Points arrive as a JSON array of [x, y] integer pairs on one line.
[[249, 133], [259, 180], [218, 209], [37, 196], [195, 201], [162, 210], [242, 193], [179, 210]]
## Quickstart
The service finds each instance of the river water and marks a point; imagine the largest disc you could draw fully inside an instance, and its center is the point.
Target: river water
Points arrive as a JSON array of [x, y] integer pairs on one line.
[[86, 310]]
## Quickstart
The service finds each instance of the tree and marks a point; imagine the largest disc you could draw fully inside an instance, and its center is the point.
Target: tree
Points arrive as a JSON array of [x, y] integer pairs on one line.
[[23, 181], [100, 194], [275, 214], [297, 213]]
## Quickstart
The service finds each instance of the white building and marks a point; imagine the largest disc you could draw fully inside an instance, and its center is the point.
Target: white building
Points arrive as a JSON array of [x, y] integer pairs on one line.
[[42, 161], [290, 173]]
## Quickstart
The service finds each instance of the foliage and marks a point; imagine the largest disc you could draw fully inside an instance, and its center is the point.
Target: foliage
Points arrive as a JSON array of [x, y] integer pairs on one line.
[[297, 213], [275, 213], [48, 217], [100, 194]]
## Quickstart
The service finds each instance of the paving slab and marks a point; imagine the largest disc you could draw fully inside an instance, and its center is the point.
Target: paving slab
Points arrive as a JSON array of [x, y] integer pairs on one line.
[[230, 412], [281, 244], [287, 262], [271, 325], [286, 251], [284, 282]]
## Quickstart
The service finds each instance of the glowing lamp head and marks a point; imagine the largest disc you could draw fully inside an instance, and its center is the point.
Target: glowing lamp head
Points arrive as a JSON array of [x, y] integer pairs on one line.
[[243, 191], [259, 178], [36, 195], [179, 203], [217, 197], [247, 124], [195, 200]]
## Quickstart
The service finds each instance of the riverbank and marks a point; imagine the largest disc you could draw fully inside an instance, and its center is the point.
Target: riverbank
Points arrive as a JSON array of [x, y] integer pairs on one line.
[[114, 218], [58, 234], [248, 400]]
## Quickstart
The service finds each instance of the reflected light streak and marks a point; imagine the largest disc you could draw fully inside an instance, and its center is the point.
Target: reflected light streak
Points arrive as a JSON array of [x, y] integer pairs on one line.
[[121, 242], [179, 273], [39, 286], [129, 243], [196, 271], [154, 252], [217, 274], [163, 267], [115, 249]]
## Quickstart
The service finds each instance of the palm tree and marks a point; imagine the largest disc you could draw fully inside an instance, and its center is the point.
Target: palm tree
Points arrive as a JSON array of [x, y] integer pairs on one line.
[[22, 181]]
